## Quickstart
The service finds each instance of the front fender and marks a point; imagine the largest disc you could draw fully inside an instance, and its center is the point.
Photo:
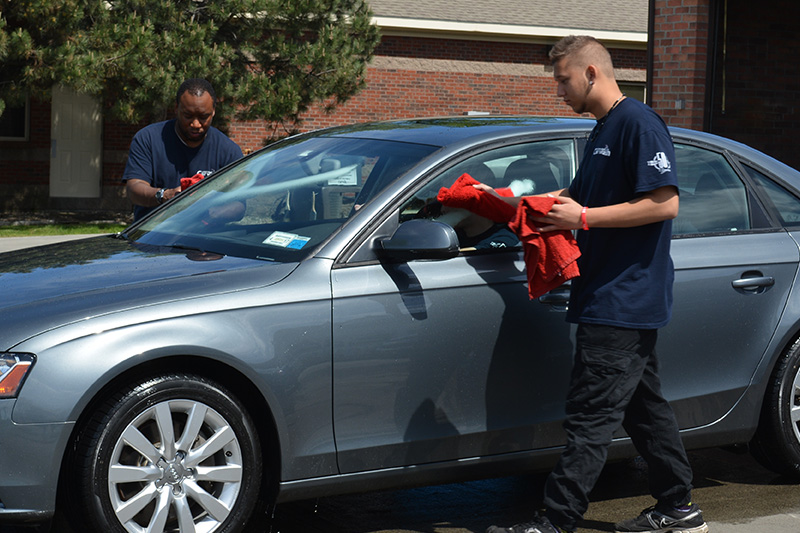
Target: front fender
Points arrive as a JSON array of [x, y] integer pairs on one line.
[[283, 349]]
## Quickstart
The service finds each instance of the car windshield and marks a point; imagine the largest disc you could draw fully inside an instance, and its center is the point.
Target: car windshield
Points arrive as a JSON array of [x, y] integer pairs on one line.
[[281, 202]]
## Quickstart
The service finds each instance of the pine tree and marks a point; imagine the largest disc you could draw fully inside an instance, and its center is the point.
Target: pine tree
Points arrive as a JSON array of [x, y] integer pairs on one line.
[[267, 59]]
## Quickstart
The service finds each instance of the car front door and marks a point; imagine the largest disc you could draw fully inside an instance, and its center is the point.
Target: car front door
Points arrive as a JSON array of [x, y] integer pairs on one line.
[[439, 360]]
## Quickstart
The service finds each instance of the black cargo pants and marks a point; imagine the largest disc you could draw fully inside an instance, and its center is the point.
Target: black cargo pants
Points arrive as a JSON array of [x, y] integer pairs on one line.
[[615, 381]]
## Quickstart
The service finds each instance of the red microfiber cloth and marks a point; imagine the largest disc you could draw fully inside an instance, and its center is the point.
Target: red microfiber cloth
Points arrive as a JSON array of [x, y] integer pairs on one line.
[[550, 257], [188, 182], [463, 194]]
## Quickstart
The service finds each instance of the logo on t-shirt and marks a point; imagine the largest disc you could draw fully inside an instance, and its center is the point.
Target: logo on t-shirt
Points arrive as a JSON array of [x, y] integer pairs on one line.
[[602, 151], [661, 162]]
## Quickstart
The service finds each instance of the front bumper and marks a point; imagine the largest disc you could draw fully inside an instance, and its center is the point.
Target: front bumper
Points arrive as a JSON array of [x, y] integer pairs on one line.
[[30, 463]]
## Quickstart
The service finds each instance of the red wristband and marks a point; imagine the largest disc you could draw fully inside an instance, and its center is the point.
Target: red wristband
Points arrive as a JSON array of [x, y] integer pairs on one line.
[[583, 218]]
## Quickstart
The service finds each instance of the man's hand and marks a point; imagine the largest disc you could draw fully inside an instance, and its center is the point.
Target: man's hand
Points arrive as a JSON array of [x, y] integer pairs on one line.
[[485, 188], [565, 215], [142, 193], [511, 200]]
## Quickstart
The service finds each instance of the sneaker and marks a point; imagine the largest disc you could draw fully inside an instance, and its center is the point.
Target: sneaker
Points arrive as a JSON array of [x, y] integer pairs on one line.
[[675, 521], [540, 524]]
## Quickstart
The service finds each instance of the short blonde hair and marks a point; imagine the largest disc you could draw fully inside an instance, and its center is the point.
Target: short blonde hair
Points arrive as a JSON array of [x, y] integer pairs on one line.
[[586, 50]]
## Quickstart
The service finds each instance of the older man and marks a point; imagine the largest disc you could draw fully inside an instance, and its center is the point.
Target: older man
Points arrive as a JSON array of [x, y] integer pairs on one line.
[[163, 153]]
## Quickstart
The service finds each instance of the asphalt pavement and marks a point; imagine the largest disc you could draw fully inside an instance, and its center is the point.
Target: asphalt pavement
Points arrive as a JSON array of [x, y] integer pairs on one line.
[[737, 495]]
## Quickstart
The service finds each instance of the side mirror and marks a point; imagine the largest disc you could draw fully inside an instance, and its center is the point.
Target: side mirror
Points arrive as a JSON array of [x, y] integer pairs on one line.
[[420, 239]]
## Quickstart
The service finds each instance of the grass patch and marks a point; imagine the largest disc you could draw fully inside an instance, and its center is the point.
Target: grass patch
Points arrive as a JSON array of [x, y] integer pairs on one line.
[[37, 230]]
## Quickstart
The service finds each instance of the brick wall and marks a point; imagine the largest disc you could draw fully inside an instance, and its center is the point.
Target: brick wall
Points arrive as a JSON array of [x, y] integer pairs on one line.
[[756, 81], [116, 141], [422, 91], [415, 77], [680, 50], [25, 165]]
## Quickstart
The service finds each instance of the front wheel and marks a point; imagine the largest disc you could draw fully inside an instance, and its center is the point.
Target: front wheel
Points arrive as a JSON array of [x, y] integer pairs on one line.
[[173, 453], [776, 444]]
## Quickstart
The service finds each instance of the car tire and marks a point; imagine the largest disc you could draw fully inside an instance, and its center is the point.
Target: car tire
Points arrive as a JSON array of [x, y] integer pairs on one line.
[[776, 444], [174, 453]]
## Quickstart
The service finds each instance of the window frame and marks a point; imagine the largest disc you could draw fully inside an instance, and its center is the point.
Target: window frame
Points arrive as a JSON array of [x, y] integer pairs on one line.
[[760, 218], [479, 155]]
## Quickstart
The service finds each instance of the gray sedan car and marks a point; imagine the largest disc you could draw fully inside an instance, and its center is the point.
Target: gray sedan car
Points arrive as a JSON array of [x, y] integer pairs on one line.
[[310, 321]]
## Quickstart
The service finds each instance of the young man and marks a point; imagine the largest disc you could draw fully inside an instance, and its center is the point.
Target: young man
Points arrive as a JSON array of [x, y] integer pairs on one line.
[[163, 153], [622, 201]]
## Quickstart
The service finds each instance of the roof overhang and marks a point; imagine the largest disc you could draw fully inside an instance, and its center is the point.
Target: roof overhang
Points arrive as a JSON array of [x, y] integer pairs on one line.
[[444, 29]]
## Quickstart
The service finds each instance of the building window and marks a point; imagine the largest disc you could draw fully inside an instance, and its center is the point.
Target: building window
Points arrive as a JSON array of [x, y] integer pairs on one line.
[[15, 123], [633, 90]]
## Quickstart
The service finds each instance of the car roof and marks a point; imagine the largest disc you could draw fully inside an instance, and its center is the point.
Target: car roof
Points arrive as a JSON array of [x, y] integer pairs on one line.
[[445, 131]]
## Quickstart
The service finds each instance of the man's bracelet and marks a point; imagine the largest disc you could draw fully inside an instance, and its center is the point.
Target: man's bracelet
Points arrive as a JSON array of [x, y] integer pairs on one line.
[[583, 218]]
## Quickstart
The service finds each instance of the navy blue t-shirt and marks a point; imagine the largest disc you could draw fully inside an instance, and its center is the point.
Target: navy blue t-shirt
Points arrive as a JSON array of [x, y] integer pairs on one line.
[[626, 273], [159, 157]]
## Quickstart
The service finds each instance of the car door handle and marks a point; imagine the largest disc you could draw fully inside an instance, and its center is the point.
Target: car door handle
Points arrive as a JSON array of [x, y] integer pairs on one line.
[[757, 282], [557, 298]]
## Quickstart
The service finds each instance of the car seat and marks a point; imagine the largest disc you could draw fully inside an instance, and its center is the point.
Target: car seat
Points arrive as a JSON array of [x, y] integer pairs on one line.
[[531, 176]]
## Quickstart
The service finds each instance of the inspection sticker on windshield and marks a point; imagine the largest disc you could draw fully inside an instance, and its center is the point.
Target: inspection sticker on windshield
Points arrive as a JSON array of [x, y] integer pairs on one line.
[[286, 240]]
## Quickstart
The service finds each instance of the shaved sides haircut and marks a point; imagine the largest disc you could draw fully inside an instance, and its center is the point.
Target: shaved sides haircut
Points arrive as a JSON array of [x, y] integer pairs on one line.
[[584, 50]]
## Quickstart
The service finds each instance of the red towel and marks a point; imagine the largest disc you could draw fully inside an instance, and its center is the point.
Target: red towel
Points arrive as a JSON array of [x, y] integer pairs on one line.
[[463, 194], [188, 182], [550, 257]]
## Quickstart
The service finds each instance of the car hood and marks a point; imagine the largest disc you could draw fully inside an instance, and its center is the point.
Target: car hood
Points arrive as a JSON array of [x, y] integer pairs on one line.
[[49, 286]]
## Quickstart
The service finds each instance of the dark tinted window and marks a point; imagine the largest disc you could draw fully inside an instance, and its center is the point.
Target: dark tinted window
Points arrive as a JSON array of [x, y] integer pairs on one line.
[[784, 203], [713, 197]]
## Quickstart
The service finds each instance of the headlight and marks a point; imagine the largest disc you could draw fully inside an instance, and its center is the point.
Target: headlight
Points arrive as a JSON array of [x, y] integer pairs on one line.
[[14, 367]]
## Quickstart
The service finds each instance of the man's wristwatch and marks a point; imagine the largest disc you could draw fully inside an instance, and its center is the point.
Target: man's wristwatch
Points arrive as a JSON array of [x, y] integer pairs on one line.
[[160, 196]]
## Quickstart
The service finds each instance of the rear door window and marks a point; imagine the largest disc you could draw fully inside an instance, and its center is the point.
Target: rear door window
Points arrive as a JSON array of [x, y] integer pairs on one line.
[[713, 199]]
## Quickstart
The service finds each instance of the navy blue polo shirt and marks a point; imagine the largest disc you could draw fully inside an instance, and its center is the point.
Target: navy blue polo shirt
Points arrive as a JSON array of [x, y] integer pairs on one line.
[[159, 157], [626, 273]]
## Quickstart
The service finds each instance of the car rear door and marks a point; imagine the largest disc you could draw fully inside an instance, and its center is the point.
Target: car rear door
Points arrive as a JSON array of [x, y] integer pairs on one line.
[[733, 273]]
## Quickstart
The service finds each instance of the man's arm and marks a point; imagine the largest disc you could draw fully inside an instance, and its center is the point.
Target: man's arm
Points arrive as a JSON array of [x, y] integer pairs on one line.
[[142, 193], [138, 174], [515, 200], [653, 206]]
